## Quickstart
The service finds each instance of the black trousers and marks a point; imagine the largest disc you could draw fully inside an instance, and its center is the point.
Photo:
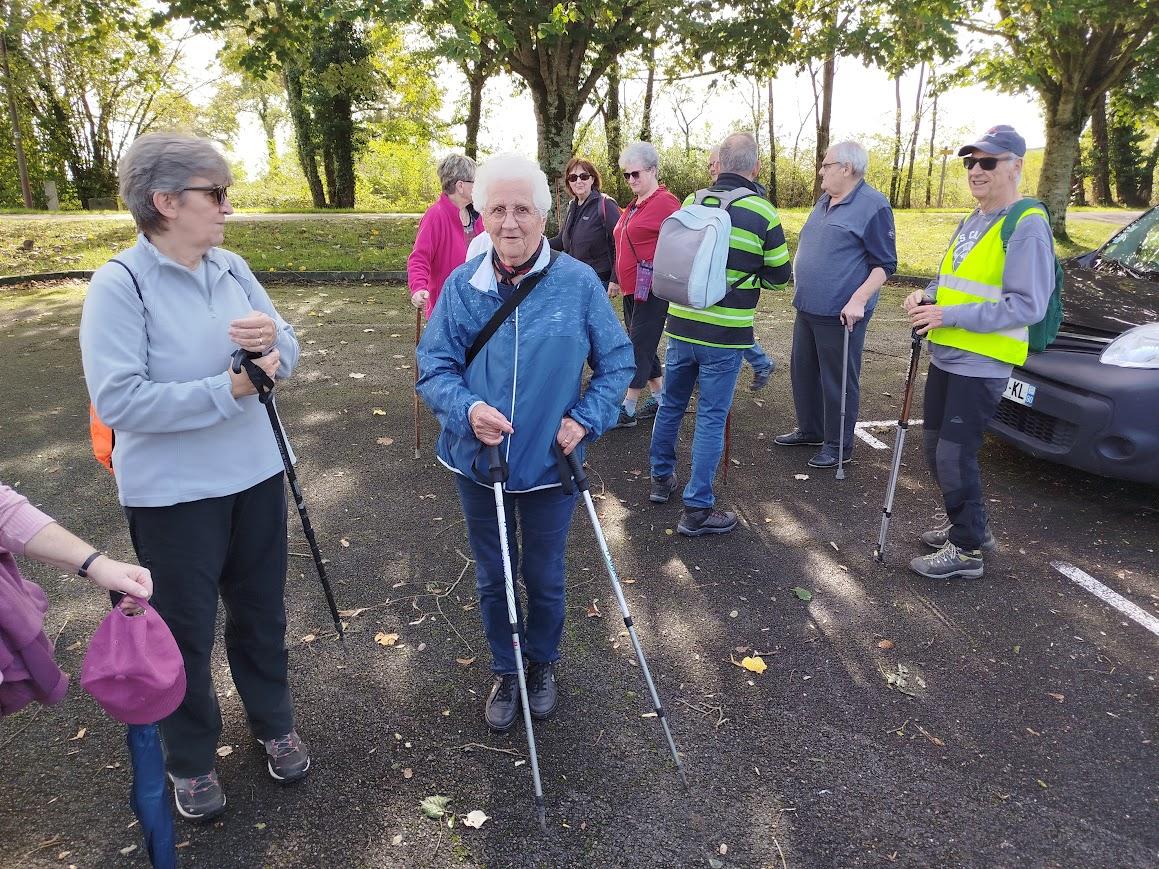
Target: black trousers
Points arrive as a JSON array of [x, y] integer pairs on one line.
[[233, 547], [957, 410], [645, 323], [815, 369]]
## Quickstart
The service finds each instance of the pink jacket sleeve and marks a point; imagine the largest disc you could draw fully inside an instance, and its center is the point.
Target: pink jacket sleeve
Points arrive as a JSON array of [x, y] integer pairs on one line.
[[422, 257], [19, 520]]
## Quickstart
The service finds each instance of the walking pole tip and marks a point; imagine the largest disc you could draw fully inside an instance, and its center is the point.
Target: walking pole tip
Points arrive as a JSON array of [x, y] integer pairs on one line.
[[840, 473], [542, 817]]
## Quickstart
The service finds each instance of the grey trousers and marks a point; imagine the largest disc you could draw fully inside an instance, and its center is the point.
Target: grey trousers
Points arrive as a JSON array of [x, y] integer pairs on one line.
[[815, 369]]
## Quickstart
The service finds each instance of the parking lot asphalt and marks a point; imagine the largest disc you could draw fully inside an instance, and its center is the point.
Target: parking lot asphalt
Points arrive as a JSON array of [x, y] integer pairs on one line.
[[1006, 721]]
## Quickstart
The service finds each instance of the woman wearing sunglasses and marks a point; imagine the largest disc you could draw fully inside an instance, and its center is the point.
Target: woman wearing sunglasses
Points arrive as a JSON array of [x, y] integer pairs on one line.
[[586, 233], [197, 468], [636, 234]]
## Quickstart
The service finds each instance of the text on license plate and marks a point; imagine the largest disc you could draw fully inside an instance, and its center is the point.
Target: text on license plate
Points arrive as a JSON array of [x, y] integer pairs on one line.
[[1019, 391]]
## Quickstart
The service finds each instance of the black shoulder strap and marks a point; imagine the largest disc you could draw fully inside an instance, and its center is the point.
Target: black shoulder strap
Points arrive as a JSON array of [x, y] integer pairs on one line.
[[136, 286], [521, 292]]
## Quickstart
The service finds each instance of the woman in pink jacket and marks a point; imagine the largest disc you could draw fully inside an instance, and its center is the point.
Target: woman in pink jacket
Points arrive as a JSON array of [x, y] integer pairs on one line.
[[444, 233]]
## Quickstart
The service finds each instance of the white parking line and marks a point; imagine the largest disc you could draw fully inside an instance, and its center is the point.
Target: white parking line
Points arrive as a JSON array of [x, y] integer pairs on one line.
[[860, 431], [1105, 594]]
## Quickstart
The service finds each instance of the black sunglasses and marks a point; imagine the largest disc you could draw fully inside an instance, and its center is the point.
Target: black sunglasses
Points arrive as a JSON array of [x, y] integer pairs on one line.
[[632, 176], [987, 163], [218, 192], [578, 176]]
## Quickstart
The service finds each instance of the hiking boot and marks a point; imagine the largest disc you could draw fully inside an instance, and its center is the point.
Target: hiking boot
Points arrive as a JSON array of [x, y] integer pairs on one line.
[[797, 438], [626, 420], [695, 523], [761, 379], [827, 459], [662, 489], [287, 758], [939, 537], [647, 408], [503, 703], [542, 690], [949, 562], [198, 798]]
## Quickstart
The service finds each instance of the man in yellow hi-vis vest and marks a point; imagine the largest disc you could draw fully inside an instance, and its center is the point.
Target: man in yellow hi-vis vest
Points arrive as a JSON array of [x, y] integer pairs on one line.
[[984, 299]]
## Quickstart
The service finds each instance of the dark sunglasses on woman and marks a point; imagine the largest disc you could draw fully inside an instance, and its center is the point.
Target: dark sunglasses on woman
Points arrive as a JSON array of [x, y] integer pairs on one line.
[[218, 192], [578, 176], [632, 176], [987, 163]]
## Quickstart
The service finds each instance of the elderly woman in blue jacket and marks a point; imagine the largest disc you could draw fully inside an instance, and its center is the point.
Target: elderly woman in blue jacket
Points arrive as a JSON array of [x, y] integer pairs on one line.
[[523, 393]]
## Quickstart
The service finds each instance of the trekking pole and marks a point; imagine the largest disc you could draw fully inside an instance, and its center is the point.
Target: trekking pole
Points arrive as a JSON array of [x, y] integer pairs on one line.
[[581, 481], [844, 378], [418, 335], [898, 444], [264, 384], [497, 469]]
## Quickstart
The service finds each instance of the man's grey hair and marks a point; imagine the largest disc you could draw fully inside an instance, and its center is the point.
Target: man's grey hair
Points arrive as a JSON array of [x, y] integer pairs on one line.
[[851, 153], [455, 168], [512, 167], [165, 163], [739, 155], [644, 153]]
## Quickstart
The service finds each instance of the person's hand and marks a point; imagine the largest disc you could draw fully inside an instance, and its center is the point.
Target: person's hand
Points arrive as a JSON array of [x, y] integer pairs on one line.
[[256, 332], [926, 317], [419, 299], [613, 290], [570, 434], [489, 425], [241, 383], [852, 314], [131, 579], [914, 299]]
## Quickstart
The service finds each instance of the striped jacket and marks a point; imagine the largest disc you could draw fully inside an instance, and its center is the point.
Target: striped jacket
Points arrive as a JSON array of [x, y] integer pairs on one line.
[[758, 257]]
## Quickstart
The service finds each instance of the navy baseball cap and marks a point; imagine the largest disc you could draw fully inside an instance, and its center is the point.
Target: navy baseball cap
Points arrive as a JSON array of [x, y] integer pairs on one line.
[[997, 140]]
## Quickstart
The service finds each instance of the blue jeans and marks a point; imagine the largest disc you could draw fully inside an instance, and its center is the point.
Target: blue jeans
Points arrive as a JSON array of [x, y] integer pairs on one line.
[[758, 359], [716, 368], [544, 517]]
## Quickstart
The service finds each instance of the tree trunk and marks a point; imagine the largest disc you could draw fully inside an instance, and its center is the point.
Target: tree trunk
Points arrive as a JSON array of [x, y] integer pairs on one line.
[[1147, 186], [895, 166], [933, 136], [329, 173], [907, 195], [14, 116], [772, 149], [827, 72], [556, 115], [303, 134], [342, 131], [1065, 116], [269, 128], [1100, 163], [613, 130], [649, 90], [476, 81], [1078, 185]]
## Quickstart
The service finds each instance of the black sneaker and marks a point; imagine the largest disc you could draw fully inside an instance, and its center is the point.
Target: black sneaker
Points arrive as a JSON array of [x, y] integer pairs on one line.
[[939, 537], [827, 459], [503, 703], [199, 798], [662, 489], [695, 523], [761, 379], [949, 562], [647, 408], [797, 438], [287, 758], [626, 420], [542, 690]]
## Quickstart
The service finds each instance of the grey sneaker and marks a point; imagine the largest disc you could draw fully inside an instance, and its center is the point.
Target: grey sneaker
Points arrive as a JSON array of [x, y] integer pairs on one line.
[[797, 438], [662, 489], [287, 758], [696, 523], [939, 537], [542, 690], [626, 419], [199, 798], [761, 379], [647, 407], [949, 562], [503, 703]]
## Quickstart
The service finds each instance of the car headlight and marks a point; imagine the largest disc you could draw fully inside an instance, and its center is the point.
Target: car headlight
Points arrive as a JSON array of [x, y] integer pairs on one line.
[[1135, 348]]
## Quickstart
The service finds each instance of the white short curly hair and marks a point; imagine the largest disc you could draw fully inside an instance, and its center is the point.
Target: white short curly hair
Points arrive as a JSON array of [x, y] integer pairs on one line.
[[511, 167]]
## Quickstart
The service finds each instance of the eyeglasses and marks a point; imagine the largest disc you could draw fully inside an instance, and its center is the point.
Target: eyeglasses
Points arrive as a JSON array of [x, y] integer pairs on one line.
[[827, 165], [632, 176], [579, 176], [523, 213], [218, 192], [987, 163]]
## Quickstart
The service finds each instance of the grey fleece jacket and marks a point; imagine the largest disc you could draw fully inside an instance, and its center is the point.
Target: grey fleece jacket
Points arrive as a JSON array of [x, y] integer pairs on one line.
[[157, 374]]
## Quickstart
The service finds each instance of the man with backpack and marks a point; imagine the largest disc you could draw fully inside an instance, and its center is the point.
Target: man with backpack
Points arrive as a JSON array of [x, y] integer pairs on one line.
[[996, 280], [707, 337]]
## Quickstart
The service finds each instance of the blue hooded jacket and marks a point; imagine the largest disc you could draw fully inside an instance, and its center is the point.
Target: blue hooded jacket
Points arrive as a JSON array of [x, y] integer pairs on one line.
[[530, 370]]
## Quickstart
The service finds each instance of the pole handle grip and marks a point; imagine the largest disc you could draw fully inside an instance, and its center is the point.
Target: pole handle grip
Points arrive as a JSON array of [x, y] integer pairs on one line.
[[496, 465], [263, 383], [570, 467]]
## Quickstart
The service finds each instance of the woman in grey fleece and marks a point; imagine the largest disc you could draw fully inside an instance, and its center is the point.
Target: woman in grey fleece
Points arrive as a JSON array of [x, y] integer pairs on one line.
[[197, 467]]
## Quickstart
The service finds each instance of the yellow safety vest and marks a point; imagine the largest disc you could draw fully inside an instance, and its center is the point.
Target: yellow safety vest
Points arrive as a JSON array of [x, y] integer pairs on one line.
[[978, 278]]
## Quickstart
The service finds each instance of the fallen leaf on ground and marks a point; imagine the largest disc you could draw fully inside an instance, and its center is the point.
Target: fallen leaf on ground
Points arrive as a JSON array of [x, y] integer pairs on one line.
[[800, 476], [345, 543], [225, 751], [885, 644], [1055, 695], [475, 819], [260, 825], [466, 662], [594, 611], [386, 442], [309, 638], [408, 772], [352, 614], [397, 840], [357, 376], [435, 806], [723, 849], [754, 664], [80, 734], [127, 850], [384, 639], [802, 593], [378, 411]]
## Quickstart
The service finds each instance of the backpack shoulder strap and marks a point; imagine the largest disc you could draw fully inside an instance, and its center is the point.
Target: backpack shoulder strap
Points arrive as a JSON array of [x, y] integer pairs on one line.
[[724, 198], [1014, 215], [133, 277], [521, 292]]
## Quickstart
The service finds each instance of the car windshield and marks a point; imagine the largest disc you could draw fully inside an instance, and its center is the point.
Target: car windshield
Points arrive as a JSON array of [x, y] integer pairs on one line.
[[1136, 248]]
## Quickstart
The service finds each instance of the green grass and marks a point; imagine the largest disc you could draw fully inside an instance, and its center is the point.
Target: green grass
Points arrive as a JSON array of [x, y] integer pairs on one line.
[[333, 243]]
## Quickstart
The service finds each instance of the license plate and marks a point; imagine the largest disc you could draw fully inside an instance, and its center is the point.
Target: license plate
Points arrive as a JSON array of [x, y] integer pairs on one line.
[[1019, 392]]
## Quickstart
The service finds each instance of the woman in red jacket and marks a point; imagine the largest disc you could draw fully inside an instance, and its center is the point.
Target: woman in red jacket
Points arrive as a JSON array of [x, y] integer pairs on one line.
[[636, 233]]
